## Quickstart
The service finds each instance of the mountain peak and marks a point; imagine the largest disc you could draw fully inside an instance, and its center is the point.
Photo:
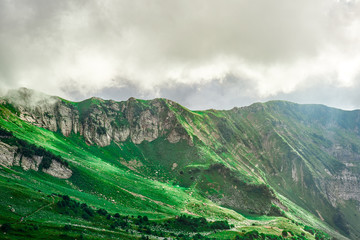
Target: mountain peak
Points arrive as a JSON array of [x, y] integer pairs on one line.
[[27, 97]]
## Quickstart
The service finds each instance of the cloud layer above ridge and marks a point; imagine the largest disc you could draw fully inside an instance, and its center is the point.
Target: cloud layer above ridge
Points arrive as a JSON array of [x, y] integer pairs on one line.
[[202, 53]]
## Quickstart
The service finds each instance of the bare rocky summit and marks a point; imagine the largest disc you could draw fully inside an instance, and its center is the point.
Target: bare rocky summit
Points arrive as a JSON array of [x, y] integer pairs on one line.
[[99, 121]]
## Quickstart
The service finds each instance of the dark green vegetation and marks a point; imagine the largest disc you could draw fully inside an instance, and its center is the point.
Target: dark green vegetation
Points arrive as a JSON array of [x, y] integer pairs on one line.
[[137, 224], [154, 169]]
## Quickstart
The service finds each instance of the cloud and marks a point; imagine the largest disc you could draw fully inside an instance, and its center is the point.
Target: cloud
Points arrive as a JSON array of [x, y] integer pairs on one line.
[[196, 52]]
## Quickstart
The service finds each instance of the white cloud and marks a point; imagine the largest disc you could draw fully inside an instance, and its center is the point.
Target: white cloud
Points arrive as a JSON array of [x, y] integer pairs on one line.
[[278, 46]]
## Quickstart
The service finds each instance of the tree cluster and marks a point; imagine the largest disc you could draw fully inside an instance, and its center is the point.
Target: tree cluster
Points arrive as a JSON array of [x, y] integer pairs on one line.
[[319, 235], [192, 224]]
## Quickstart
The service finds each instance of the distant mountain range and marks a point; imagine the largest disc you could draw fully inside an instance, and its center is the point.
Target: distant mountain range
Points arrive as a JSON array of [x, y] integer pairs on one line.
[[155, 169]]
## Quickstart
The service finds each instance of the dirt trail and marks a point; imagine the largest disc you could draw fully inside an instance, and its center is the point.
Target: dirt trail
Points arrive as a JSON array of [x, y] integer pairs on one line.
[[37, 210]]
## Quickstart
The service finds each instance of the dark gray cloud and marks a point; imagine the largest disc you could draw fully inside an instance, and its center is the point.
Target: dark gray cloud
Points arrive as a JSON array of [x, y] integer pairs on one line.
[[202, 53]]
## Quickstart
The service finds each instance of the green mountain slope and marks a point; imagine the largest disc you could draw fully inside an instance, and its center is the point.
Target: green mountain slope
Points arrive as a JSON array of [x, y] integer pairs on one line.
[[274, 167]]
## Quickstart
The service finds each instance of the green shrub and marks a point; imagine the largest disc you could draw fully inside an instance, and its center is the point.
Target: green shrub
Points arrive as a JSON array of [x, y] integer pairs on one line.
[[67, 227], [102, 211], [101, 130], [85, 216], [222, 225], [6, 227], [113, 226], [252, 235], [5, 134]]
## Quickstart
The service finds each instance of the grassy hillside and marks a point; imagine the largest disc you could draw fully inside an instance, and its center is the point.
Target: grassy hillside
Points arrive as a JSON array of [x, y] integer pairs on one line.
[[235, 167]]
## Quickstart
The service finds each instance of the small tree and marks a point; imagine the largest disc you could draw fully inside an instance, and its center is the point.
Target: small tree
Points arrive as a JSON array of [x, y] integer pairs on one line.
[[67, 227], [101, 211], [85, 216], [66, 198], [6, 227], [113, 226]]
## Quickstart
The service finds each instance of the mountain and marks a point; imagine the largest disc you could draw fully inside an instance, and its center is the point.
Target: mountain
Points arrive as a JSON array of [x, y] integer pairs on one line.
[[153, 168]]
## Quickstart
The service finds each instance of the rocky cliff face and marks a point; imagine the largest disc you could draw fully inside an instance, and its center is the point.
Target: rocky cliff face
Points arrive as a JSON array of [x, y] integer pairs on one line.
[[344, 184], [9, 157], [100, 121], [342, 187]]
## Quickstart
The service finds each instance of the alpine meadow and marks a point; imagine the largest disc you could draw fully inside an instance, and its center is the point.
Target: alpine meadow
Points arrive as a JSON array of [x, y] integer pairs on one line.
[[153, 169]]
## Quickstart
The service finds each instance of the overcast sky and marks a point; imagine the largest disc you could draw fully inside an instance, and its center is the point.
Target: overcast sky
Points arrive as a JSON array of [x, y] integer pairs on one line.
[[200, 53]]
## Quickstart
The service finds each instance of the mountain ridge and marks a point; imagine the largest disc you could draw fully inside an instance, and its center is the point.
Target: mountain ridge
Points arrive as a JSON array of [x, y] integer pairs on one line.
[[32, 92], [268, 158]]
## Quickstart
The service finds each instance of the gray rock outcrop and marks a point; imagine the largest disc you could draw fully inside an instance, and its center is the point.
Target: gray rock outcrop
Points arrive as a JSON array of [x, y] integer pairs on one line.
[[58, 170], [10, 157], [100, 121]]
